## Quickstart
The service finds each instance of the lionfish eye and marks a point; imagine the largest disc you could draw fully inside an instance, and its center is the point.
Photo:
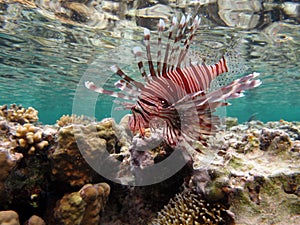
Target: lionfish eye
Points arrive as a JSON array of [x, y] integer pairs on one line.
[[164, 103]]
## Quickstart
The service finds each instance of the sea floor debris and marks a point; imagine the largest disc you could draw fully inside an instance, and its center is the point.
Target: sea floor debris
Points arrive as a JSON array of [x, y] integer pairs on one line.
[[254, 177]]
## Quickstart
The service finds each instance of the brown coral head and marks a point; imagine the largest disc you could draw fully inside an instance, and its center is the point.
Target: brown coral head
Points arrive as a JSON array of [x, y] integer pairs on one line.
[[89, 193], [35, 220]]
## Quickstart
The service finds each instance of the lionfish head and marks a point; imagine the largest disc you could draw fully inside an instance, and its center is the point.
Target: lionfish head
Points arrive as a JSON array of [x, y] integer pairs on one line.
[[176, 94]]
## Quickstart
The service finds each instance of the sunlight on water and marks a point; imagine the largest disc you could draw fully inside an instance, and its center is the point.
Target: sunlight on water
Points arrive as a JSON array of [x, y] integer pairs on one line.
[[44, 57]]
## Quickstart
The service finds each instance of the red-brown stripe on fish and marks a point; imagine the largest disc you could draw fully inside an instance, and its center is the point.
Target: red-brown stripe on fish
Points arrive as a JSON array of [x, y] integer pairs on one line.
[[177, 90]]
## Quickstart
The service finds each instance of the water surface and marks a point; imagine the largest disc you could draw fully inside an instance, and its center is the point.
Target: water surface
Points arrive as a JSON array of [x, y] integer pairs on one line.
[[45, 54]]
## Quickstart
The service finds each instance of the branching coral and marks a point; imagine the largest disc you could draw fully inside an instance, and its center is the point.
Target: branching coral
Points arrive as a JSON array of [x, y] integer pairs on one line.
[[188, 209], [19, 114], [30, 138], [82, 207]]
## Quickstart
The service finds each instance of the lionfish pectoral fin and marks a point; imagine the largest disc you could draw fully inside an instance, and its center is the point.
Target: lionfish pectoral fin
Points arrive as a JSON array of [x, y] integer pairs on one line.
[[126, 78], [91, 85], [123, 105], [235, 89], [186, 102]]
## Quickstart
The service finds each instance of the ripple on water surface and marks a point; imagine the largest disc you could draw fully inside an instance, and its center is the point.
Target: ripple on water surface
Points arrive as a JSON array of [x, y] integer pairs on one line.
[[44, 54]]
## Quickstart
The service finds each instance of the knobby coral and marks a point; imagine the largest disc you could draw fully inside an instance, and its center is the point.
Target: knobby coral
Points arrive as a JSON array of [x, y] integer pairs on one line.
[[35, 220], [9, 217], [30, 138], [19, 114], [82, 207]]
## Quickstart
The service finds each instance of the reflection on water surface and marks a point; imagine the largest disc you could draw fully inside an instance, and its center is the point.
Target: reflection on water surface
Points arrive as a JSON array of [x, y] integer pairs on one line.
[[46, 47]]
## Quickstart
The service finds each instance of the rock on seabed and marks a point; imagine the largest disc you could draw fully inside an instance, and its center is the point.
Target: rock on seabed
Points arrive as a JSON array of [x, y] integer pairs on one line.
[[258, 167]]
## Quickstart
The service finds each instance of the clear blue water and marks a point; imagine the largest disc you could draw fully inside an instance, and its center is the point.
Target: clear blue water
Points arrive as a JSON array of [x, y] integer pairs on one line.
[[42, 62]]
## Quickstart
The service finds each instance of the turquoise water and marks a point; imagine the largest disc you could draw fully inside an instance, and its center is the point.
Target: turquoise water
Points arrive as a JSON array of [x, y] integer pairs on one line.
[[43, 61]]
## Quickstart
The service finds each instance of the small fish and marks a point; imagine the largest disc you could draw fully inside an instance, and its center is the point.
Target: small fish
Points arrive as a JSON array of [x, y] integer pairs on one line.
[[176, 94]]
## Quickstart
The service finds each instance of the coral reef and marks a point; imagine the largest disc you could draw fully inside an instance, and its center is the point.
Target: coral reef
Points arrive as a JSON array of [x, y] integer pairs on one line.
[[230, 122], [296, 146], [137, 205], [252, 175], [70, 209], [82, 207], [68, 164], [147, 151], [26, 148], [256, 171], [19, 114], [78, 143]]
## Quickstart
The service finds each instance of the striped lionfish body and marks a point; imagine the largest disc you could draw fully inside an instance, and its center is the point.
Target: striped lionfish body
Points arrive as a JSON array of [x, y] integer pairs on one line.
[[176, 94]]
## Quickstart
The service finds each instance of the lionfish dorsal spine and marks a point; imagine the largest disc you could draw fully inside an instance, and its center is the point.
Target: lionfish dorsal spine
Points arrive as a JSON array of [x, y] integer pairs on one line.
[[161, 27], [137, 51], [176, 44], [148, 50], [165, 62], [188, 41]]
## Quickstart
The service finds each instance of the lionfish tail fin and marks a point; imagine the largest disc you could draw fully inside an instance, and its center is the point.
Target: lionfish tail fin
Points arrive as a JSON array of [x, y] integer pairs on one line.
[[235, 66]]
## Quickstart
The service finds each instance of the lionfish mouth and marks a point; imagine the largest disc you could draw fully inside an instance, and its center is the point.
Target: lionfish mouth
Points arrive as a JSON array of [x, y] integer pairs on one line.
[[177, 95]]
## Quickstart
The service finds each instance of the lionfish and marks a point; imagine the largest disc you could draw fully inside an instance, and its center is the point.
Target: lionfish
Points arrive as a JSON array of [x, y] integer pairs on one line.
[[176, 95]]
